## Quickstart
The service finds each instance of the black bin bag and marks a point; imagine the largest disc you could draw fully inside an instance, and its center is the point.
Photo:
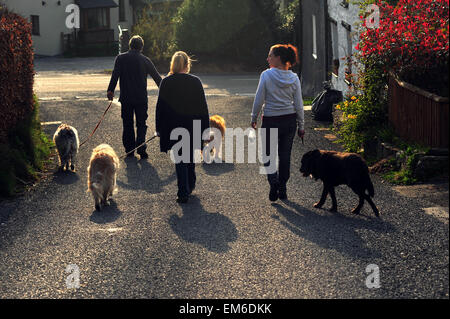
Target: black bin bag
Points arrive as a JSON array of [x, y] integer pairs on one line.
[[322, 105]]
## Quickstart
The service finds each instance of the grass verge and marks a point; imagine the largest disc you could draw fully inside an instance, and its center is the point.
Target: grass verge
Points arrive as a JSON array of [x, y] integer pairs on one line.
[[24, 155]]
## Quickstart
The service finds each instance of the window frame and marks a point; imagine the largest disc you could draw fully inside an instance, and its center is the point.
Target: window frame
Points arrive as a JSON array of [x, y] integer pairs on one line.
[[35, 25]]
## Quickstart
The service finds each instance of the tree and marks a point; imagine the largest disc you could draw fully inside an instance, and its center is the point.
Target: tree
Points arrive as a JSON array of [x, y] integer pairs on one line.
[[155, 26], [229, 29]]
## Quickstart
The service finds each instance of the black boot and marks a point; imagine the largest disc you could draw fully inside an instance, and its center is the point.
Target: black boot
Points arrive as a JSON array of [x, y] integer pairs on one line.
[[273, 194], [282, 192]]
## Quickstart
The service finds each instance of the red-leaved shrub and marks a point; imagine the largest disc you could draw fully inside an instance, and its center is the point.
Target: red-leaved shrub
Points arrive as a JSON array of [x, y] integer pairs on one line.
[[413, 41], [16, 71]]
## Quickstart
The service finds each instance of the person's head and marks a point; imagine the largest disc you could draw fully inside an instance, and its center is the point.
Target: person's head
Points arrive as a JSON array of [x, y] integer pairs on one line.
[[136, 43], [283, 55], [180, 63]]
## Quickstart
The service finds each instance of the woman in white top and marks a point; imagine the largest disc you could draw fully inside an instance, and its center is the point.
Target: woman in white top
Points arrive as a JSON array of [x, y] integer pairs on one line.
[[280, 93]]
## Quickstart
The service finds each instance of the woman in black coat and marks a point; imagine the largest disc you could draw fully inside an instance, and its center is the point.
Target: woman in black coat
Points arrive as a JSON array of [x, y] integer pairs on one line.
[[182, 105]]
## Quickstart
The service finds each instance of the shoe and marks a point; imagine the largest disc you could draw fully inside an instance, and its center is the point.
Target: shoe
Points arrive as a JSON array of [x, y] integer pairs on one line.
[[143, 155], [273, 194], [182, 200], [282, 192]]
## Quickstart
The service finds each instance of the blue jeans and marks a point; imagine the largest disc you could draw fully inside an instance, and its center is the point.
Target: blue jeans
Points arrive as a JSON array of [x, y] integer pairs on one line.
[[287, 127]]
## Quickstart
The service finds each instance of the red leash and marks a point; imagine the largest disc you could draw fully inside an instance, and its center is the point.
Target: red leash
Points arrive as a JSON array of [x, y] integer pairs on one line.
[[98, 124]]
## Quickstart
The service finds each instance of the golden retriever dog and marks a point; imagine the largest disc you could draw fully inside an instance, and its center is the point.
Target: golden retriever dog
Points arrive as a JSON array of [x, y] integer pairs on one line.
[[217, 122], [336, 168], [102, 173], [67, 144]]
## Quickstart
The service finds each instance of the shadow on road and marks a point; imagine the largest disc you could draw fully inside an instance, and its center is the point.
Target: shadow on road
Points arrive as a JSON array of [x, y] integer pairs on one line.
[[65, 178], [142, 175], [108, 214], [216, 169], [213, 231], [335, 231]]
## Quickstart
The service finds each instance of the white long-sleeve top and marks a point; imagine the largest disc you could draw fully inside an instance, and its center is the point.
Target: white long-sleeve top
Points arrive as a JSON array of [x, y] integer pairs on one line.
[[280, 93]]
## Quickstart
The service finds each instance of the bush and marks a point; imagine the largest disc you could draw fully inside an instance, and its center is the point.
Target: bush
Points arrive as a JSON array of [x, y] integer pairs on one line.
[[23, 146], [290, 24], [412, 40], [234, 30], [155, 26], [16, 71], [418, 57]]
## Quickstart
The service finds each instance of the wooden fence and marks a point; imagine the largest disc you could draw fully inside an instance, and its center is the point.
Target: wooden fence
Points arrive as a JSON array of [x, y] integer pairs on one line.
[[417, 115]]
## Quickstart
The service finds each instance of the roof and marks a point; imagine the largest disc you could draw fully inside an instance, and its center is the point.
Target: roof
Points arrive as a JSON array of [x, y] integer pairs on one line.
[[90, 4]]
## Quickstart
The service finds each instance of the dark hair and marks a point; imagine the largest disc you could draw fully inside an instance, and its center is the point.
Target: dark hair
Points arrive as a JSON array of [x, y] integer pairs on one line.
[[286, 52], [136, 43]]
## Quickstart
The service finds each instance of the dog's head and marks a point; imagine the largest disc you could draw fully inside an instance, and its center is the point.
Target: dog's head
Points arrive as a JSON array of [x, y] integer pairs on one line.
[[309, 162], [218, 122]]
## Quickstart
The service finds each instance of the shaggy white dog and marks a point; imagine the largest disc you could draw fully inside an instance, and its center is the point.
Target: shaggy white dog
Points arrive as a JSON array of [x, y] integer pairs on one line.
[[102, 173]]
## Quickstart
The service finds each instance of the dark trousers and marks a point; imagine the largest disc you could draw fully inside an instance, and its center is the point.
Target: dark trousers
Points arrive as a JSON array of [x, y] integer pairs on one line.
[[129, 139], [186, 177], [287, 127]]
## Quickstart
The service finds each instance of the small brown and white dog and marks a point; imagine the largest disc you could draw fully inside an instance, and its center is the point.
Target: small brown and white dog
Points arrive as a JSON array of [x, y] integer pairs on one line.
[[102, 173], [67, 144], [216, 122]]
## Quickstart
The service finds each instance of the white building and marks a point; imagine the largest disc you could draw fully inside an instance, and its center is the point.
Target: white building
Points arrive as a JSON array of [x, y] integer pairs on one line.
[[99, 21], [329, 33], [343, 17]]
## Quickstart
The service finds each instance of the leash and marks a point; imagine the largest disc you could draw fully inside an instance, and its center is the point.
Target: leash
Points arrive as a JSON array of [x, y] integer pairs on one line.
[[147, 141], [98, 124]]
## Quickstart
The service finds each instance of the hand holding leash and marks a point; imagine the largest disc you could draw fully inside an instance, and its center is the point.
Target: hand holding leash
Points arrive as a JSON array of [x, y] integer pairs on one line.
[[110, 95], [301, 134]]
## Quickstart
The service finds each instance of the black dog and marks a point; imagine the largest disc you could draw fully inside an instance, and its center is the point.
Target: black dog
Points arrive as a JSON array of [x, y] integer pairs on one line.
[[335, 168]]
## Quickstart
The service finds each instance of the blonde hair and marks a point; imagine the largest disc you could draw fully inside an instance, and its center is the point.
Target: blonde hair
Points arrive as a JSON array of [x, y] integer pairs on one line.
[[180, 61]]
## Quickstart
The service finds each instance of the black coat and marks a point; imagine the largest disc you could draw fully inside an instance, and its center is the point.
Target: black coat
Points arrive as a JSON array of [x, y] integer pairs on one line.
[[181, 100], [133, 68]]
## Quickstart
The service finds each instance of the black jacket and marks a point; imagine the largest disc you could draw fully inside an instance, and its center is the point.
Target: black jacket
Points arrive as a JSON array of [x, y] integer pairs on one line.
[[132, 68], [181, 100]]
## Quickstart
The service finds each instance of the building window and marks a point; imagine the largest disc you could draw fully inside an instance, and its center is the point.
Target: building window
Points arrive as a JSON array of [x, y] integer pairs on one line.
[[96, 19], [334, 48], [122, 16], [314, 36], [35, 29]]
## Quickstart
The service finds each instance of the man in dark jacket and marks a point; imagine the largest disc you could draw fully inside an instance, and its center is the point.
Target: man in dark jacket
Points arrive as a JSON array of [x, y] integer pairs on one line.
[[133, 68]]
